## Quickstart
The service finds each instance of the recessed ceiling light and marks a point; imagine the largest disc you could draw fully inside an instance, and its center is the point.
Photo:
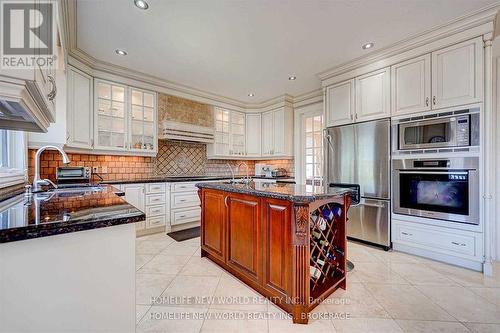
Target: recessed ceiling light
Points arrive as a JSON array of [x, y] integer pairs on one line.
[[251, 95], [141, 4], [367, 46], [121, 52], [292, 78]]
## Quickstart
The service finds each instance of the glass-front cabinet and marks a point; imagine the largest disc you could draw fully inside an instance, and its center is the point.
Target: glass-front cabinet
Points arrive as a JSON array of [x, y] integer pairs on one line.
[[221, 143], [237, 130], [124, 118], [111, 118], [143, 116]]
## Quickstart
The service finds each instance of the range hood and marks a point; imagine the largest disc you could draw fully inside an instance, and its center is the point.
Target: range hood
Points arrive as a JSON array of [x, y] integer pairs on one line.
[[173, 130]]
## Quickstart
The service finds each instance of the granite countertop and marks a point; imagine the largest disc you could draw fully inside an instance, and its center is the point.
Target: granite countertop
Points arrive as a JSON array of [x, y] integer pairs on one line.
[[173, 179], [283, 191], [51, 213]]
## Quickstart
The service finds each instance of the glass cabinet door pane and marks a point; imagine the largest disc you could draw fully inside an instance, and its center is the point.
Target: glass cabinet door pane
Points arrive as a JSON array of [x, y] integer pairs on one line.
[[104, 106], [104, 90], [137, 112], [148, 114], [149, 100], [118, 93], [118, 109], [136, 97]]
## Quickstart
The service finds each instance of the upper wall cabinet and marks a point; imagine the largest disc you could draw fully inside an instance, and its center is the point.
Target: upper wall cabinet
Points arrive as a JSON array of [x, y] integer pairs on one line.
[[277, 133], [457, 74], [110, 116], [373, 95], [237, 130], [340, 103], [220, 147], [79, 130], [411, 86], [124, 118], [253, 135]]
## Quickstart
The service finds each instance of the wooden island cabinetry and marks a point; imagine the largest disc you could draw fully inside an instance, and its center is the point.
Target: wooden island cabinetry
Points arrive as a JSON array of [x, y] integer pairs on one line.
[[284, 241]]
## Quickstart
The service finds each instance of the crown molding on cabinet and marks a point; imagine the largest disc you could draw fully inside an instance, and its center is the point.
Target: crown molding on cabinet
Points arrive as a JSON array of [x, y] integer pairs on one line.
[[465, 27]]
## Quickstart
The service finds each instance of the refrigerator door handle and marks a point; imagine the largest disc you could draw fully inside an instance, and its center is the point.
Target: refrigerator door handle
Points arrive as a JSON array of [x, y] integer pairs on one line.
[[328, 138], [364, 203]]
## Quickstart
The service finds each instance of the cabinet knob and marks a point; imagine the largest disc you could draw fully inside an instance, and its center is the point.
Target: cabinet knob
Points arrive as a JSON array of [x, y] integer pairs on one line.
[[434, 100], [427, 101]]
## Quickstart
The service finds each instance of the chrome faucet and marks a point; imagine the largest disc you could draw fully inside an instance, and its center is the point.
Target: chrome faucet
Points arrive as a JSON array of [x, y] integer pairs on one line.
[[232, 172], [37, 181], [247, 179]]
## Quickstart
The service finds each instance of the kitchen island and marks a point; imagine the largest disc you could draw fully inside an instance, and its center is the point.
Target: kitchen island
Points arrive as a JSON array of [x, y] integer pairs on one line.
[[67, 261], [287, 242]]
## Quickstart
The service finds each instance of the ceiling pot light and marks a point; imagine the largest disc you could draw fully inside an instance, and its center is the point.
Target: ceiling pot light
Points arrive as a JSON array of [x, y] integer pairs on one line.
[[121, 52], [251, 95], [292, 78], [141, 4], [367, 46]]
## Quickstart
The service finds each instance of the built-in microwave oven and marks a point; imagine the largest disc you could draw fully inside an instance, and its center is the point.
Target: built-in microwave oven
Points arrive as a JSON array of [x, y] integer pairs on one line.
[[453, 129]]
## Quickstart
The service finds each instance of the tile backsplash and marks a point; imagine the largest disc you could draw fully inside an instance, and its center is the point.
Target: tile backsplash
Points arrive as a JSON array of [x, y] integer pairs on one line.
[[174, 158]]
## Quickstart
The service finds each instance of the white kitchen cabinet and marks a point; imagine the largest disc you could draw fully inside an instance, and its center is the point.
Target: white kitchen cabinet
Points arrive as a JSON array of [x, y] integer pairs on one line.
[[110, 116], [124, 119], [373, 95], [134, 195], [237, 136], [142, 120], [79, 108], [253, 134], [221, 145], [457, 74], [267, 133], [340, 103], [277, 133], [411, 86]]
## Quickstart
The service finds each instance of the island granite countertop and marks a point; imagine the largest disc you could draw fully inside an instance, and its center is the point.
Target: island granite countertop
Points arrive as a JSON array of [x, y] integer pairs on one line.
[[52, 213], [282, 191]]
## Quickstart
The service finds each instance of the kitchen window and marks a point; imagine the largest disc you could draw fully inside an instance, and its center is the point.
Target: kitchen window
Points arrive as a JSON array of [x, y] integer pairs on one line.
[[313, 149], [12, 158]]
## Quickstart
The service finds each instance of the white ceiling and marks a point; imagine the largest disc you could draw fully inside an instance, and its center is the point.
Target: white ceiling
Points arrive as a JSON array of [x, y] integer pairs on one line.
[[232, 48]]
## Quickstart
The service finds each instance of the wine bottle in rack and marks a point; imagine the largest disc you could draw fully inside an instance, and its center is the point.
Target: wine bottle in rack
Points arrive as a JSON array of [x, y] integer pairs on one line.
[[318, 261], [314, 272], [336, 267], [324, 242], [337, 211], [327, 213], [316, 234], [338, 250]]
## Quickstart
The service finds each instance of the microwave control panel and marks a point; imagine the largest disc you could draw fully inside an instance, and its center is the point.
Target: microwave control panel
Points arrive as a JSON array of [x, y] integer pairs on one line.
[[463, 131]]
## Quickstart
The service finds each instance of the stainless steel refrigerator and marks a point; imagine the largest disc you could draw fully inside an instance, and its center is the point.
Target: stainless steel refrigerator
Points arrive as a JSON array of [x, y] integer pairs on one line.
[[360, 154]]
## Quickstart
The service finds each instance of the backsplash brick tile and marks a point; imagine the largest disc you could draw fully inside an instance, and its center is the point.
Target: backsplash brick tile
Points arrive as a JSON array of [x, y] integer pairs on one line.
[[175, 158]]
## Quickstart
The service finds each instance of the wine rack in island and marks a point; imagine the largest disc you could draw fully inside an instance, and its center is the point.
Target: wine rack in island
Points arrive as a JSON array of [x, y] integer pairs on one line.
[[327, 249]]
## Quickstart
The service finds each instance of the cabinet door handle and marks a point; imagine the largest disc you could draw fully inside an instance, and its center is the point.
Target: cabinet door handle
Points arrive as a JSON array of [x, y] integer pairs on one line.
[[427, 101], [67, 135], [182, 216], [225, 201], [406, 234], [434, 100], [52, 94], [458, 244]]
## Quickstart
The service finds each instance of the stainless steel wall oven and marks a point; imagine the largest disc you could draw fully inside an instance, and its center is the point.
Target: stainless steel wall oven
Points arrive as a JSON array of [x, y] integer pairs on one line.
[[439, 188]]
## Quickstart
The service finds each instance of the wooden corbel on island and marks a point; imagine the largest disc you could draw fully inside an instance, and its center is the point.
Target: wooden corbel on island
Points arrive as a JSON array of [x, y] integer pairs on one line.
[[285, 241]]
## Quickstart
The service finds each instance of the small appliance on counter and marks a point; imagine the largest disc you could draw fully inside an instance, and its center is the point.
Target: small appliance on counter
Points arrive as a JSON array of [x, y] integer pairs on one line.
[[259, 169], [279, 172], [73, 176]]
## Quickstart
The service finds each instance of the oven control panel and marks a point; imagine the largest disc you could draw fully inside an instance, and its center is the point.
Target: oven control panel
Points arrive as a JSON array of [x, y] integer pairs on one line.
[[463, 129]]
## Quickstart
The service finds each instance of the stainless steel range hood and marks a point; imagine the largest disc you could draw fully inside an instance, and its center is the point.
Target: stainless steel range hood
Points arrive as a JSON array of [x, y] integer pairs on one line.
[[185, 132]]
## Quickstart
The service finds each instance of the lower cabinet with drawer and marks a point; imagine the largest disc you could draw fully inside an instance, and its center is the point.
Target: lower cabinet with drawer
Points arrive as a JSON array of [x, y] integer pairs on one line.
[[454, 246]]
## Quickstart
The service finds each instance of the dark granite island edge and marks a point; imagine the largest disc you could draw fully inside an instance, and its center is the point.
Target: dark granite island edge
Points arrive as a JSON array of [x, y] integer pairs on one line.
[[290, 192]]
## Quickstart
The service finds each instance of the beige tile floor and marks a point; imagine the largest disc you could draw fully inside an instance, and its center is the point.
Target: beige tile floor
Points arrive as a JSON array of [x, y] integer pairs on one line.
[[387, 292]]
